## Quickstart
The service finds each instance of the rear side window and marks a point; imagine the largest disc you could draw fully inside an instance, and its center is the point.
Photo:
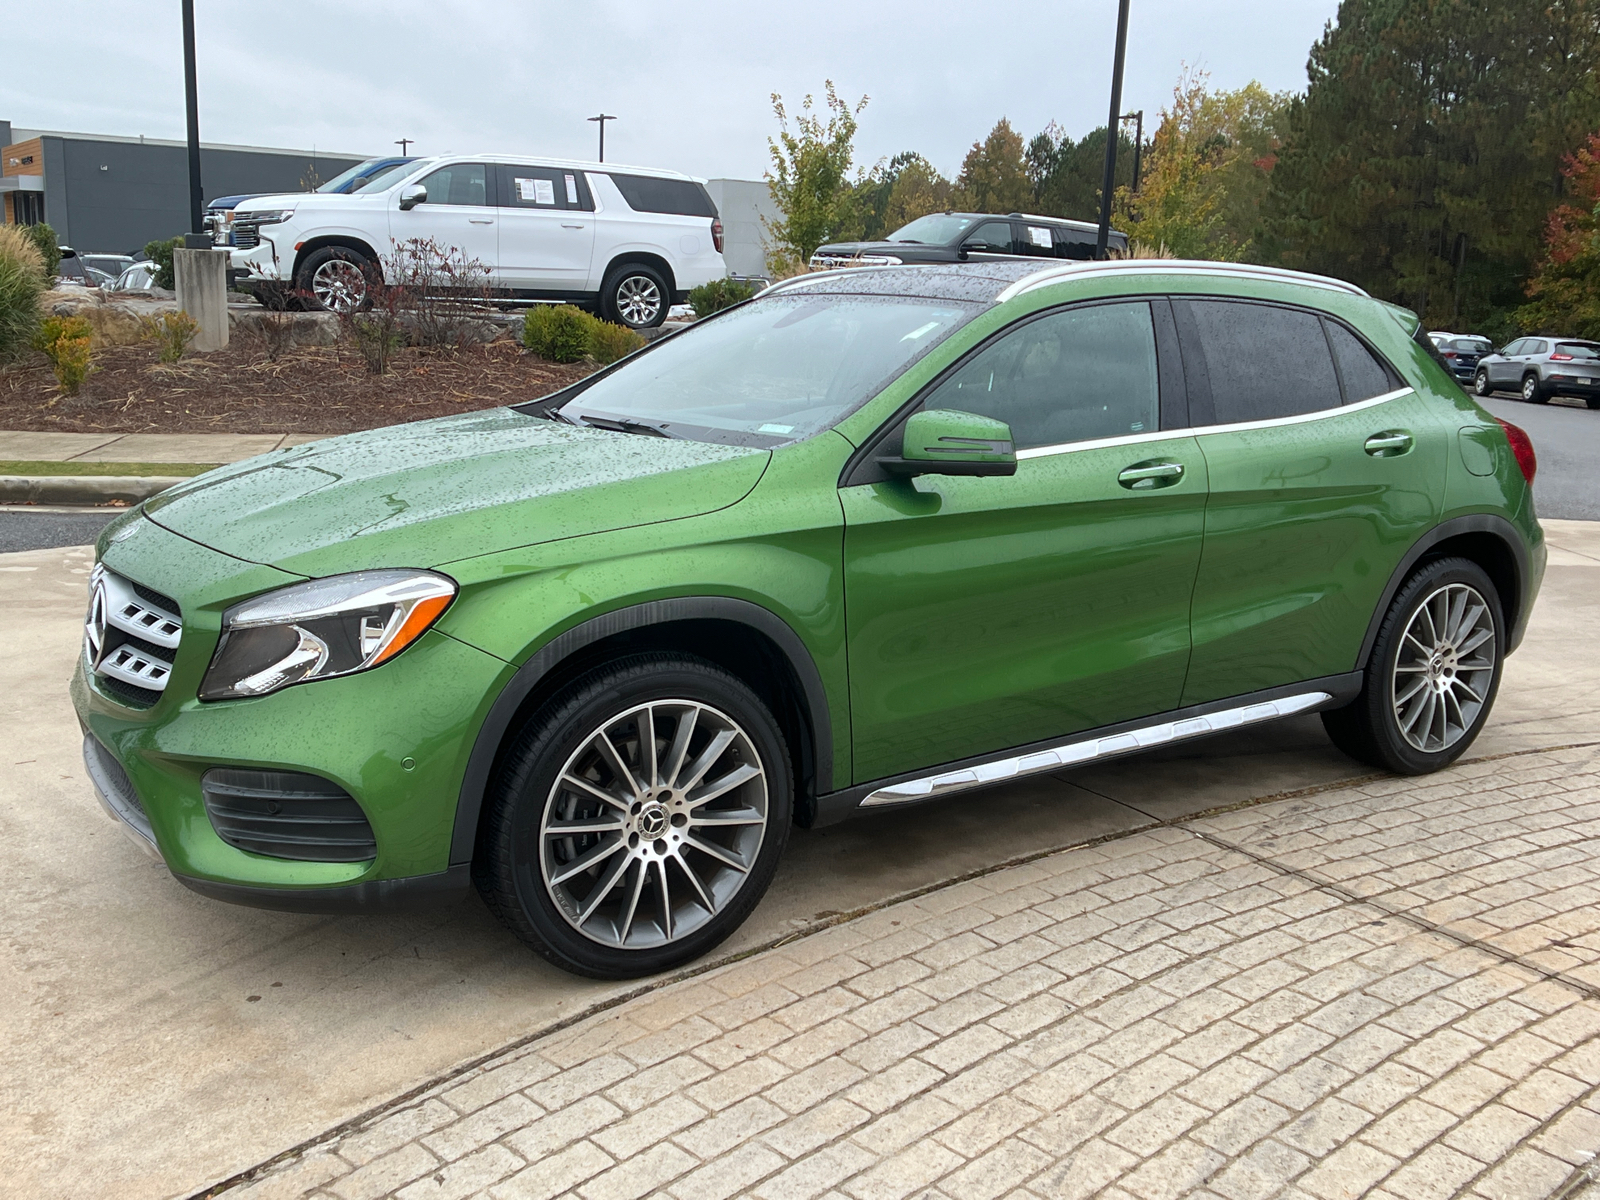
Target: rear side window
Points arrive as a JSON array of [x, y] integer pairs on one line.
[[1362, 374], [680, 197], [1071, 376], [543, 187], [1262, 362]]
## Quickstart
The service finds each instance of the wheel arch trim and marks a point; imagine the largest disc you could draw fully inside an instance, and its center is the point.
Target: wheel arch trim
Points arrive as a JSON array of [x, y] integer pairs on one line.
[[1492, 524], [349, 241], [497, 724]]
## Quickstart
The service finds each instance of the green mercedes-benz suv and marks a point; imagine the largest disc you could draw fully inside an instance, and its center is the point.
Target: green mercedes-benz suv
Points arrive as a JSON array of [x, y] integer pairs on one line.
[[875, 537]]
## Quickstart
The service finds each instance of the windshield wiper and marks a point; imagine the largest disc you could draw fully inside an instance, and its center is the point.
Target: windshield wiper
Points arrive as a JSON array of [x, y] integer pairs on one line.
[[627, 425], [555, 414]]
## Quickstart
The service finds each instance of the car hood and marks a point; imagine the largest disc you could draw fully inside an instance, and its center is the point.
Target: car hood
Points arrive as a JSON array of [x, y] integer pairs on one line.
[[855, 248], [434, 492]]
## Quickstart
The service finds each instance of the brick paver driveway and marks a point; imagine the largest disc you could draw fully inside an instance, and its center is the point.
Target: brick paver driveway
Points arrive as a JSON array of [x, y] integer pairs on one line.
[[1387, 989]]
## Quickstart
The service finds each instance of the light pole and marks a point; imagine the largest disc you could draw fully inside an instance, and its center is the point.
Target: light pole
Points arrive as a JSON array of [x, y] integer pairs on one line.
[[602, 119], [403, 143], [1110, 177], [191, 97], [1138, 143]]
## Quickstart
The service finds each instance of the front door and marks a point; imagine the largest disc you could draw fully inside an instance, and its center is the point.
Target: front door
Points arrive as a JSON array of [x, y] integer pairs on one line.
[[546, 229], [987, 613], [1319, 486], [459, 214]]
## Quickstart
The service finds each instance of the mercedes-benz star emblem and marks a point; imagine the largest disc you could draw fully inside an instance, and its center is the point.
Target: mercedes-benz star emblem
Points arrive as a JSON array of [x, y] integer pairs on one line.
[[653, 822], [94, 629]]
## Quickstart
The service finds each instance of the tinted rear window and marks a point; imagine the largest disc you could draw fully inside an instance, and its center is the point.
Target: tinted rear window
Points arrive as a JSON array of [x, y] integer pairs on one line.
[[1364, 376], [1262, 361], [1578, 349], [681, 197]]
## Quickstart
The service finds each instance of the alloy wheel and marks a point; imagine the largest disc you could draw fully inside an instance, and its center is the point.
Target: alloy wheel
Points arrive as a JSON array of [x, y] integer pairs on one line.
[[638, 300], [1445, 668], [653, 824], [339, 285], [1530, 388], [1481, 384]]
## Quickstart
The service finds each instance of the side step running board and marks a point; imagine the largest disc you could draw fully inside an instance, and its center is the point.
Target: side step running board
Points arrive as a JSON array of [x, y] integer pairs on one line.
[[1090, 749]]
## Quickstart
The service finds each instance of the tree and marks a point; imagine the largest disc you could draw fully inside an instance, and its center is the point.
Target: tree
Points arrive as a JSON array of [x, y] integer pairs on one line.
[[1206, 172], [1427, 151], [994, 175], [1564, 294], [810, 178], [1065, 175], [918, 190]]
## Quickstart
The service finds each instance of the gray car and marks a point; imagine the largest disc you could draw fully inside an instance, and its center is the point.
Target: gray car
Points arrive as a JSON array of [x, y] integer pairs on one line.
[[1540, 368]]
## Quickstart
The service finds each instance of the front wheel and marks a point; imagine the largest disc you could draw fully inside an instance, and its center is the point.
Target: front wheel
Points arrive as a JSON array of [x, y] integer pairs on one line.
[[1533, 391], [1481, 384], [1433, 673], [638, 817], [635, 295], [336, 278]]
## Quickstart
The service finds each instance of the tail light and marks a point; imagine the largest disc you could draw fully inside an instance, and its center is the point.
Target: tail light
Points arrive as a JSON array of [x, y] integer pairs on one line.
[[716, 233], [1521, 449], [1561, 358], [1449, 353]]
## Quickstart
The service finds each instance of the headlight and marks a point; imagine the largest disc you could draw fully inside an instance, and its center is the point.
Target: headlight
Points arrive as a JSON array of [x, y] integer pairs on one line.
[[320, 629], [881, 260], [267, 216]]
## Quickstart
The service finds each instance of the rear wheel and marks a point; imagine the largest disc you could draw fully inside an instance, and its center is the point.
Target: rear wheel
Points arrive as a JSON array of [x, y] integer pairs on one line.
[[638, 817], [635, 295], [1592, 401], [1533, 391], [1433, 673]]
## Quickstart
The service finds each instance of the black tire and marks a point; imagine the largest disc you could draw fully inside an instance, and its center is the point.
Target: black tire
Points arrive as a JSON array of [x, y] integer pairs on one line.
[[1533, 391], [1368, 729], [1481, 384], [509, 865], [635, 295], [323, 278], [1592, 401]]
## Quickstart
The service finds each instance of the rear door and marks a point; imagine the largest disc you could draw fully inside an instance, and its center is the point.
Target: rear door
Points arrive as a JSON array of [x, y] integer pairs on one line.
[[546, 228], [988, 613], [1324, 471]]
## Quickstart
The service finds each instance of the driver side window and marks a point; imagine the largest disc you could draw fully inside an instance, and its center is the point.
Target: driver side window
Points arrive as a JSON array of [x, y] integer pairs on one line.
[[992, 237], [461, 183], [1071, 376]]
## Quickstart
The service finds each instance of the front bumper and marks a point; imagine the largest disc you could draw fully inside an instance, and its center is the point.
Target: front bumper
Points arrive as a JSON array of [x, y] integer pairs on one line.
[[259, 262], [396, 738]]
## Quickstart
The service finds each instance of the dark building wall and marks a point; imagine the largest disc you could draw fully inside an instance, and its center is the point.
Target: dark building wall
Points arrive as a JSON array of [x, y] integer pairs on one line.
[[113, 197]]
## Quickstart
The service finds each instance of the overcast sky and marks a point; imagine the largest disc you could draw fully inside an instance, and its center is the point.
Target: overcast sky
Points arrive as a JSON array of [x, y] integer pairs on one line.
[[689, 80]]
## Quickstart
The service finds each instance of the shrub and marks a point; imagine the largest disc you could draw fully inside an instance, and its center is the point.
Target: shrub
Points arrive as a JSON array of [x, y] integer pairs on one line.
[[379, 332], [66, 343], [718, 295], [44, 238], [22, 279], [174, 331], [160, 253], [439, 292], [608, 342], [558, 332]]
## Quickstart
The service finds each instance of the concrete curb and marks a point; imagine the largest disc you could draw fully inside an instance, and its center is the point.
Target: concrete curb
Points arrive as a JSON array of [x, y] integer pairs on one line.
[[82, 489]]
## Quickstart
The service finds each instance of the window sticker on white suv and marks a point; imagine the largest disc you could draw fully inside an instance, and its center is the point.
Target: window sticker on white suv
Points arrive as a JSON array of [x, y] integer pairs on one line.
[[1038, 236], [541, 191], [572, 191]]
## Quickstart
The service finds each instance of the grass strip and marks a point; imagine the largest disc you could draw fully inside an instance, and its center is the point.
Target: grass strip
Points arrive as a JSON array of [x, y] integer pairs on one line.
[[122, 469]]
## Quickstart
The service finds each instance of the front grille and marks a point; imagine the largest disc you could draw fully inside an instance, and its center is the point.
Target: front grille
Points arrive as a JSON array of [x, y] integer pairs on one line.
[[827, 262], [130, 638], [246, 234], [287, 814]]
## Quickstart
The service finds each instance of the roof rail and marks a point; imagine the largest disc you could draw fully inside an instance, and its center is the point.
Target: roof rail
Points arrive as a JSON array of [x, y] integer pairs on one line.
[[1172, 266]]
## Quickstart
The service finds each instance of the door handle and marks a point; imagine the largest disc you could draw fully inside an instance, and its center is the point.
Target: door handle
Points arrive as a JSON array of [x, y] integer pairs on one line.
[[564, 225], [481, 220], [1143, 476], [1389, 444]]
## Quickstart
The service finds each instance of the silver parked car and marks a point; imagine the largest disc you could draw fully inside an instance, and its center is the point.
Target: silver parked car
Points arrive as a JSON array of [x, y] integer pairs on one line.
[[1542, 367]]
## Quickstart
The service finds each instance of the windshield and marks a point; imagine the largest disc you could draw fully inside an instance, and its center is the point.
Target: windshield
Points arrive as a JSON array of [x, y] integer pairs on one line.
[[779, 369], [338, 182], [937, 230], [1579, 349]]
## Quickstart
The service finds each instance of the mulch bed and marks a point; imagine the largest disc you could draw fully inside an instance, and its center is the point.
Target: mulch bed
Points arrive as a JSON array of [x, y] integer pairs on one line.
[[242, 390]]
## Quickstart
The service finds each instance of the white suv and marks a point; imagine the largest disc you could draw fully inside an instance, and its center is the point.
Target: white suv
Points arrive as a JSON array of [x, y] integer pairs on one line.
[[628, 240]]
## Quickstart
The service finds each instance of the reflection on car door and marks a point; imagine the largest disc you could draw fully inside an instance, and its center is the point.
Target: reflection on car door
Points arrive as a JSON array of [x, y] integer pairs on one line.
[[1313, 502], [987, 613], [546, 228], [458, 214]]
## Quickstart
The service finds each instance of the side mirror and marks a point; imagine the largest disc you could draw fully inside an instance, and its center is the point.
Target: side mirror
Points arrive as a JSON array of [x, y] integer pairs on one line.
[[941, 441], [412, 195]]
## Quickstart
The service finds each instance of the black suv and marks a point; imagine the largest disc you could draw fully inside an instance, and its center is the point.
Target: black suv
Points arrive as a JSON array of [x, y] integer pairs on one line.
[[966, 237]]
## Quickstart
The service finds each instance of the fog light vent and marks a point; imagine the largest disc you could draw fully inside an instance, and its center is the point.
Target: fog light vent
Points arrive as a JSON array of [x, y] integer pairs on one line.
[[286, 814]]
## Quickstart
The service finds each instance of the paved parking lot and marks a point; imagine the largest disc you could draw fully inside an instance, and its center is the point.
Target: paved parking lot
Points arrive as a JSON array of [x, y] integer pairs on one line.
[[159, 1043]]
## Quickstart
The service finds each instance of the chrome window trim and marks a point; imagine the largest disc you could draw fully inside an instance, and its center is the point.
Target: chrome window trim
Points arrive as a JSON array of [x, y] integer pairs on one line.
[[1089, 749], [1202, 430], [1168, 266]]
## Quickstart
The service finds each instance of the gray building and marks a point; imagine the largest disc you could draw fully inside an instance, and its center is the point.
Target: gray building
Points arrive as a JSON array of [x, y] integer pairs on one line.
[[111, 195]]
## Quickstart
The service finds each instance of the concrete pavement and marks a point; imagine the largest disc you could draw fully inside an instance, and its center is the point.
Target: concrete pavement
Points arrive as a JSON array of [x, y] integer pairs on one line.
[[159, 1042]]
